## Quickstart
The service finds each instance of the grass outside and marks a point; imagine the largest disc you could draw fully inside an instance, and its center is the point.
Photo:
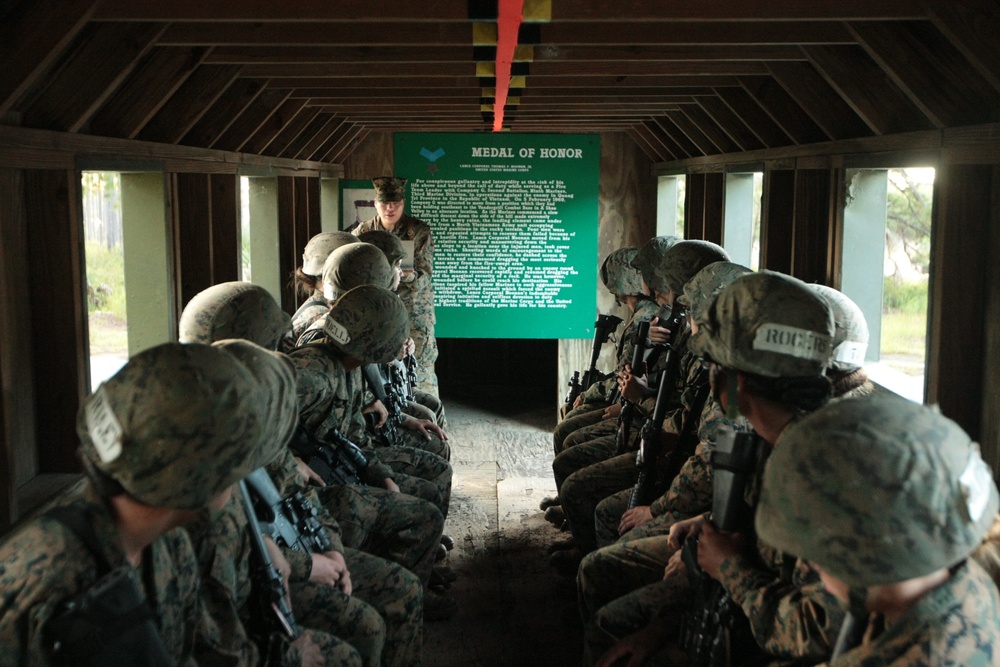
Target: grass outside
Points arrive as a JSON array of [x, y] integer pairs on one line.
[[904, 338], [106, 299]]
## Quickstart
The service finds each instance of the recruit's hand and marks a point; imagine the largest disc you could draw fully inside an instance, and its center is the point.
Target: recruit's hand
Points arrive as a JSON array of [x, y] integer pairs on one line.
[[633, 650], [310, 654], [632, 387], [330, 568], [390, 484], [425, 426], [659, 335], [378, 409], [682, 530], [675, 566], [308, 474], [634, 517], [715, 546], [612, 411]]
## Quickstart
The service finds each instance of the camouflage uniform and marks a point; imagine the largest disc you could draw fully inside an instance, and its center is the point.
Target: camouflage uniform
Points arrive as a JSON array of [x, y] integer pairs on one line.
[[878, 490], [416, 290], [159, 433]]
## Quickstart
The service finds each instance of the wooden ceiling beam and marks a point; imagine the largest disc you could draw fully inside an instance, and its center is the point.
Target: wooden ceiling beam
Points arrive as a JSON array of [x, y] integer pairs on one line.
[[251, 120], [227, 107], [333, 132], [656, 130], [343, 144], [344, 84], [654, 135], [295, 134], [643, 68], [377, 33], [680, 33], [195, 96], [973, 27], [368, 71], [434, 11], [863, 85], [93, 69], [821, 102], [323, 132], [685, 144], [312, 135], [754, 117], [705, 145], [637, 134], [729, 122], [32, 38], [712, 130], [146, 90], [285, 115], [785, 111], [931, 71]]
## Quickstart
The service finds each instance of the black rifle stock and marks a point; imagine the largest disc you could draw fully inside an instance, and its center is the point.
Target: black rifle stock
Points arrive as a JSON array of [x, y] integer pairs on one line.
[[338, 461], [268, 584], [389, 431], [603, 328], [718, 624], [625, 416]]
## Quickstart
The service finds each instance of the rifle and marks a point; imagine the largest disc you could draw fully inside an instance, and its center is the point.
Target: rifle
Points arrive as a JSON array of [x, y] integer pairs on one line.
[[388, 433], [603, 328], [649, 484], [410, 362], [638, 369], [292, 522], [337, 462], [710, 633], [268, 585]]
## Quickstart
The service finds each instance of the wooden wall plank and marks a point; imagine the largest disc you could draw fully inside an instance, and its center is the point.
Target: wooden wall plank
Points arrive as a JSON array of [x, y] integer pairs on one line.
[[694, 206], [960, 257], [821, 102], [729, 123], [707, 125], [18, 457], [29, 54], [374, 156], [147, 88], [273, 125], [288, 259], [866, 87], [777, 220], [989, 435], [192, 212], [224, 190], [61, 354], [189, 103], [715, 206], [103, 57]]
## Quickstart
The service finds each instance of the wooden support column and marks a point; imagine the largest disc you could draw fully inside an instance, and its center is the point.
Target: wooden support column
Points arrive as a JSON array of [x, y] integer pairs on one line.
[[989, 434], [58, 322], [694, 207], [18, 460], [227, 254], [287, 215], [813, 240], [714, 207], [777, 220], [962, 234]]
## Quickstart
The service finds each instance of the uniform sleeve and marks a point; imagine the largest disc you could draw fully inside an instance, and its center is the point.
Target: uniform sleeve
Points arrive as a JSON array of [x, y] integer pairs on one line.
[[792, 616], [690, 493], [423, 259]]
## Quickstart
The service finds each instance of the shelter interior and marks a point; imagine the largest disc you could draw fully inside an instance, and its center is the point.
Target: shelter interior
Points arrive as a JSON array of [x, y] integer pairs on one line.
[[185, 99]]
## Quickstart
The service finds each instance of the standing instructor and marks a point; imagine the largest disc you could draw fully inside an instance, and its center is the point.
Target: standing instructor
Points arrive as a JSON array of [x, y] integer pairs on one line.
[[415, 288]]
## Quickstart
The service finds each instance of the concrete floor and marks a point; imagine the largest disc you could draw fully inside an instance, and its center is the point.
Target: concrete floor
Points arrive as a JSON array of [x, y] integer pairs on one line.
[[512, 604]]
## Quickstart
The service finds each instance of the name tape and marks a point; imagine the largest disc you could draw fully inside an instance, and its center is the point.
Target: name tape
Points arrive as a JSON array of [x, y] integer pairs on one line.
[[792, 342], [336, 331], [850, 352], [103, 426], [975, 483]]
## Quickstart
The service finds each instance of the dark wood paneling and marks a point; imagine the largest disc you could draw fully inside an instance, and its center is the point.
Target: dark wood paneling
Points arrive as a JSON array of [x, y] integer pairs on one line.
[[785, 111], [777, 220], [989, 435], [297, 134], [754, 116], [142, 94], [60, 359], [224, 190], [193, 243], [252, 118], [729, 123], [814, 223], [104, 55], [187, 105], [973, 27], [708, 127], [670, 128], [715, 205], [220, 116], [694, 206], [28, 54], [267, 132], [287, 259], [960, 257], [821, 102]]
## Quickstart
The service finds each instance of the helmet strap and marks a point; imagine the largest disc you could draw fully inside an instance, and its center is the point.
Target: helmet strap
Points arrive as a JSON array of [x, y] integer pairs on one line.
[[856, 601]]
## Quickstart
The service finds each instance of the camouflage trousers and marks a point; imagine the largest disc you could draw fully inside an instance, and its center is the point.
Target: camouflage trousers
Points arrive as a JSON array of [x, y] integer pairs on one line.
[[426, 353], [659, 602], [394, 526], [420, 474], [619, 570], [584, 489], [433, 403], [579, 456], [609, 515], [577, 418], [433, 444], [336, 653], [387, 602], [341, 620]]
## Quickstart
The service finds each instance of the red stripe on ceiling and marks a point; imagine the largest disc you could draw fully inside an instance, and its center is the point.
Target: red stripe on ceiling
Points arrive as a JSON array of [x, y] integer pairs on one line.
[[509, 18]]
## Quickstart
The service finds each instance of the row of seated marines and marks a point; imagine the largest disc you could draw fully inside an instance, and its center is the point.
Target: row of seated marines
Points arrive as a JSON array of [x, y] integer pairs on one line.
[[738, 492], [270, 490]]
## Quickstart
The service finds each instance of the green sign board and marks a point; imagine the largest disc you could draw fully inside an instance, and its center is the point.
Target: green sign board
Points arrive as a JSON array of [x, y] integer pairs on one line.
[[514, 218]]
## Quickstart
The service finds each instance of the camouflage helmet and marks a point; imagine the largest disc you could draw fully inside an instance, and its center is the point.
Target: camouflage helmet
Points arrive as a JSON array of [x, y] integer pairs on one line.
[[850, 340], [319, 248], [369, 323], [618, 274], [234, 310], [876, 490], [389, 188], [354, 265], [769, 324], [385, 241], [649, 255], [701, 290], [180, 423], [681, 262]]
